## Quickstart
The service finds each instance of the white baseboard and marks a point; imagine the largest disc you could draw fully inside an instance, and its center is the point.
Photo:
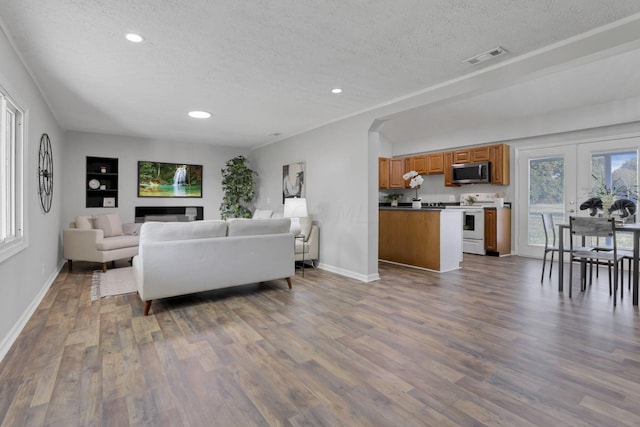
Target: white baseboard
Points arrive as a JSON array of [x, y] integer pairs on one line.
[[13, 334], [349, 273]]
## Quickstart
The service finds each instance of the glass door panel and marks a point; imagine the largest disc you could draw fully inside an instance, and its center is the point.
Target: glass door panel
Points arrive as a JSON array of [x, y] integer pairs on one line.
[[546, 183]]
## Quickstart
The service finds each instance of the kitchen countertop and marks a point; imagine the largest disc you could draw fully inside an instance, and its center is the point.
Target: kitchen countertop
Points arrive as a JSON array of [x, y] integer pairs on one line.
[[409, 208]]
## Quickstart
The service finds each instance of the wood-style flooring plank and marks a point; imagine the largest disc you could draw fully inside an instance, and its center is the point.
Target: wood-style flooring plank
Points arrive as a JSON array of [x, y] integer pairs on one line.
[[484, 345]]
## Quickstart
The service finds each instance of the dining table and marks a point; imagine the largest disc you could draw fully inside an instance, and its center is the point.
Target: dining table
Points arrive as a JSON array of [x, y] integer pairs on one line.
[[624, 228]]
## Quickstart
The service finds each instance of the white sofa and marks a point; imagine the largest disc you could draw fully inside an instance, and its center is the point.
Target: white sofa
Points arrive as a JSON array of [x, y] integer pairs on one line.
[[186, 257], [99, 238]]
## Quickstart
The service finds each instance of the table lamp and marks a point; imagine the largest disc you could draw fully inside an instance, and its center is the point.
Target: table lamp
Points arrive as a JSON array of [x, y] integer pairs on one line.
[[295, 208]]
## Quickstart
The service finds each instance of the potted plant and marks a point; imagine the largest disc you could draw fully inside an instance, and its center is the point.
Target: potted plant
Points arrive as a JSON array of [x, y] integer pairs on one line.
[[609, 194], [237, 185], [393, 198], [416, 181]]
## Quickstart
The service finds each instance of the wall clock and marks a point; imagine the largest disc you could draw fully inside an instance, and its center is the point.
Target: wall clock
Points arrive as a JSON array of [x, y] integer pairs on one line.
[[45, 173], [94, 184]]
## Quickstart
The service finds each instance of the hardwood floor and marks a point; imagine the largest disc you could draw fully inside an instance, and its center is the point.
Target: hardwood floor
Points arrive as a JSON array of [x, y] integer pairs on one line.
[[486, 345]]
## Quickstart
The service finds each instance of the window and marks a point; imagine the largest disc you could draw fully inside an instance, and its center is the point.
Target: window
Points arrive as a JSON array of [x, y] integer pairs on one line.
[[12, 238]]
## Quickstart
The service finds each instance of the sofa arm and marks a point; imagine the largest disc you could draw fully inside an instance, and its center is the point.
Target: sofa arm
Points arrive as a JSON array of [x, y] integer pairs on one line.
[[81, 244]]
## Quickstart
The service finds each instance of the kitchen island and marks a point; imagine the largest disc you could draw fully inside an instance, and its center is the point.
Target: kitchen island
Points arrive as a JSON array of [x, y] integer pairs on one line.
[[427, 238]]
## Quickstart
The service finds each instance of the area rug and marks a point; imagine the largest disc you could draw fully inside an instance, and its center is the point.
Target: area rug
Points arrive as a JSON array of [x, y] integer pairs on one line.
[[116, 281]]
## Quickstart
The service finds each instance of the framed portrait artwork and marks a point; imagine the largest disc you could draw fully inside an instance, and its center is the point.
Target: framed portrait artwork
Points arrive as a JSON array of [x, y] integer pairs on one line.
[[293, 182]]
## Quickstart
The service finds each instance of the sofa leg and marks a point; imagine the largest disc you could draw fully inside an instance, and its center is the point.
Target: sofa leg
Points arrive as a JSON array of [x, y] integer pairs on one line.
[[104, 267], [69, 265], [289, 282], [147, 307]]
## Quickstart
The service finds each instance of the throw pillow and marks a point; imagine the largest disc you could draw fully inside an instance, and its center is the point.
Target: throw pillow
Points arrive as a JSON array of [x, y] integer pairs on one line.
[[109, 224], [262, 214], [84, 222]]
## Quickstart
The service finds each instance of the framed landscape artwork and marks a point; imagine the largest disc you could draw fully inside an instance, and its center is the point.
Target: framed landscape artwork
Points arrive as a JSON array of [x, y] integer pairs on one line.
[[293, 184], [157, 179]]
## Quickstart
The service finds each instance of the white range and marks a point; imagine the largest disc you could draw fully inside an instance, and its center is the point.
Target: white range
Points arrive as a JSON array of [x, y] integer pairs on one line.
[[473, 205]]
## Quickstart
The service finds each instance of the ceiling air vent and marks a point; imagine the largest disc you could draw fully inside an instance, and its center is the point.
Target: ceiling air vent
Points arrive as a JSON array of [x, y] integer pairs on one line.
[[491, 53]]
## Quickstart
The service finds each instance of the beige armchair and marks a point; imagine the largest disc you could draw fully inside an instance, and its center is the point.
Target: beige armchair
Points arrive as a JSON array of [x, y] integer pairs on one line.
[[307, 247], [99, 238]]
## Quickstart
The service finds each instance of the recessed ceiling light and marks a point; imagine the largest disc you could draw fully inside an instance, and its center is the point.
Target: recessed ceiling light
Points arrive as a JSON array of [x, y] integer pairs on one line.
[[199, 114], [336, 90], [134, 38]]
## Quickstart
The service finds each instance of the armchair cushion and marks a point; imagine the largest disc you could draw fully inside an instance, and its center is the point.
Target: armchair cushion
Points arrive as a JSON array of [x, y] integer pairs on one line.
[[109, 224], [305, 226], [84, 222], [117, 242]]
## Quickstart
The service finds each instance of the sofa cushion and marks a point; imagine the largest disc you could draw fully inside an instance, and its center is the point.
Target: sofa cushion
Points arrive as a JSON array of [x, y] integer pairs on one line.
[[109, 224], [84, 222], [254, 227], [262, 213], [117, 242], [167, 231]]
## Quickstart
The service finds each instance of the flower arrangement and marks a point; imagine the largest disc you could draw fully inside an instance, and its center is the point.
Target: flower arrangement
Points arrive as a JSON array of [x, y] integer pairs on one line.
[[608, 195], [416, 182]]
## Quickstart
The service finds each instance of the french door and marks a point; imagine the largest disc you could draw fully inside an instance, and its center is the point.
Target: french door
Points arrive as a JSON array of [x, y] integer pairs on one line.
[[559, 179], [546, 183]]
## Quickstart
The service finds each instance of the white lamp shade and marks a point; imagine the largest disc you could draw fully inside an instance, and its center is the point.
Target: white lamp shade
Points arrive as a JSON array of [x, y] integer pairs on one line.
[[295, 208]]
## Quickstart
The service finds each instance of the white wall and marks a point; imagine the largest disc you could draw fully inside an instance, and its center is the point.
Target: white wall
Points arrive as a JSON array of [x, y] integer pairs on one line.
[[25, 276], [338, 184], [129, 151]]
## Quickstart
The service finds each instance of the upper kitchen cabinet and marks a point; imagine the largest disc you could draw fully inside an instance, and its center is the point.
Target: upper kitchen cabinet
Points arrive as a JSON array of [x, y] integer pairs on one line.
[[390, 172], [499, 158], [462, 156], [416, 163], [448, 173], [435, 163], [480, 154], [396, 170], [383, 172]]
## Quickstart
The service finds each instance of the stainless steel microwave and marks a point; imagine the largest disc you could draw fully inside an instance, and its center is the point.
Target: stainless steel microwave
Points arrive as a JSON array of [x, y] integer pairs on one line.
[[471, 173]]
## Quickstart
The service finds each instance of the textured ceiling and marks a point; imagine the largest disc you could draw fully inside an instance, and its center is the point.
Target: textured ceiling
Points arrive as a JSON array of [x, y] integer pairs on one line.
[[266, 66]]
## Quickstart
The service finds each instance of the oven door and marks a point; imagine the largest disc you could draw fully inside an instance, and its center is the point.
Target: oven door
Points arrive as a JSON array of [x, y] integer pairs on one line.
[[473, 224]]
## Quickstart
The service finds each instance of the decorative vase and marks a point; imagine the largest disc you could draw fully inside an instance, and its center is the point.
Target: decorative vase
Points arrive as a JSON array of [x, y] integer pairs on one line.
[[394, 203], [416, 204]]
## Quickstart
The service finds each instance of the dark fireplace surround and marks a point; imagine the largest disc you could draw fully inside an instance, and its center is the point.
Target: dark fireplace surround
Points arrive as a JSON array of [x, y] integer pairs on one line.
[[169, 213]]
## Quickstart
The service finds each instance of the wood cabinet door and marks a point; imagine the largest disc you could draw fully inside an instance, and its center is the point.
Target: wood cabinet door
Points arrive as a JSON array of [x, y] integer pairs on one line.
[[396, 170], [383, 172], [420, 164], [499, 158], [480, 154], [448, 173], [409, 164], [435, 163], [462, 156], [490, 230]]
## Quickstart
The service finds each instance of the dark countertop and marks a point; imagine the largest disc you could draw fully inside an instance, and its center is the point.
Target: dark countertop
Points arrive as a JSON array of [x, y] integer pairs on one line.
[[409, 208]]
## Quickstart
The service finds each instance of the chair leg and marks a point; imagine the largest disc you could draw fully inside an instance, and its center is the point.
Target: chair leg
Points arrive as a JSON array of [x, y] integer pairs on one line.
[[544, 261], [615, 284], [570, 275], [551, 264]]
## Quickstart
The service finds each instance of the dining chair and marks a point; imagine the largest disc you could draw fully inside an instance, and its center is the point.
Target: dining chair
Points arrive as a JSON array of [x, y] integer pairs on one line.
[[589, 227], [549, 230]]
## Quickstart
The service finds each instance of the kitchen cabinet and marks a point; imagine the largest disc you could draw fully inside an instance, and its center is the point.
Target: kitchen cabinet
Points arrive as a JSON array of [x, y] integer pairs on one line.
[[435, 163], [462, 156], [480, 154], [396, 170], [390, 172], [448, 174], [416, 163], [499, 158], [383, 172], [497, 231], [425, 238], [101, 182]]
